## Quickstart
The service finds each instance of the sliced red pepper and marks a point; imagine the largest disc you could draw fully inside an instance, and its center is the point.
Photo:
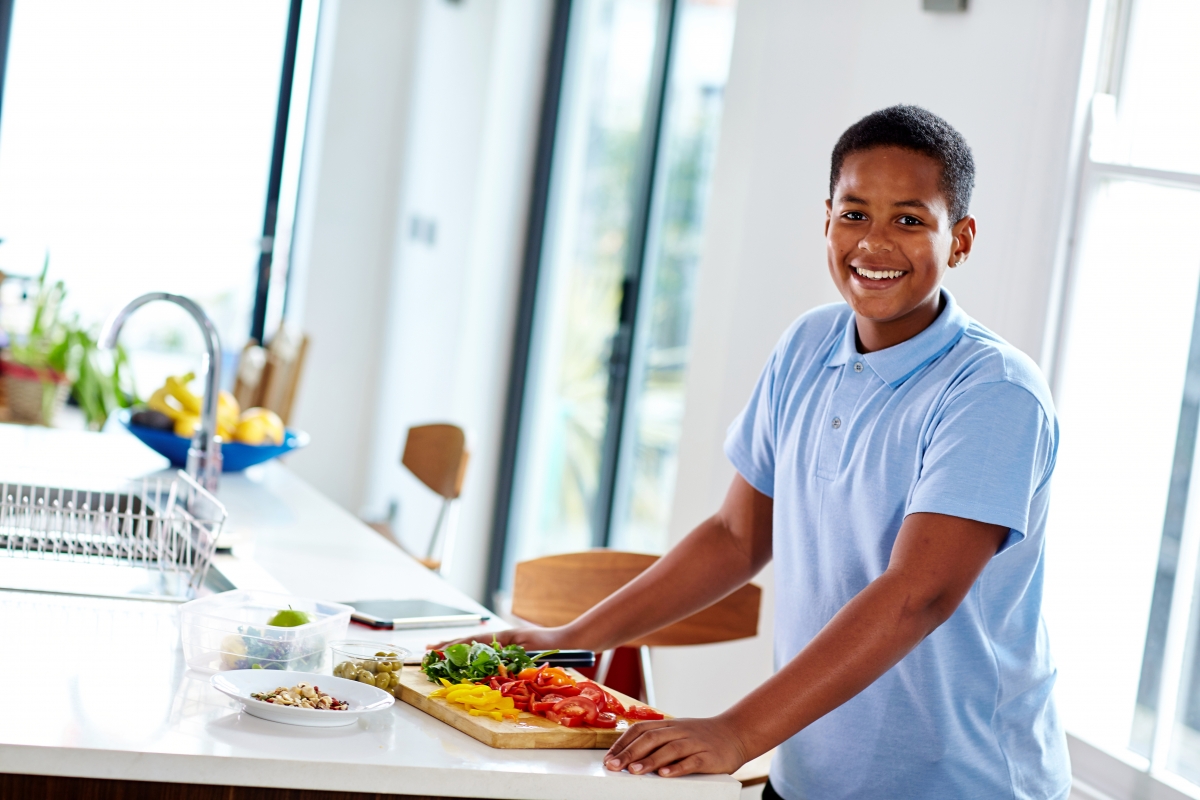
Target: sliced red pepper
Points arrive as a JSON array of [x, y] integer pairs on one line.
[[516, 689], [547, 703]]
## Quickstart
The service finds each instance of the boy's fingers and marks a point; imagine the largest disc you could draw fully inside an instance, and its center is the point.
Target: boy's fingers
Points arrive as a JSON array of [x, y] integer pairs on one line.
[[666, 753], [697, 762], [646, 744], [627, 738]]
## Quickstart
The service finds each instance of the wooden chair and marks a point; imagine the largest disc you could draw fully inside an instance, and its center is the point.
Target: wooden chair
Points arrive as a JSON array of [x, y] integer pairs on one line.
[[593, 575], [437, 456], [268, 377], [538, 596]]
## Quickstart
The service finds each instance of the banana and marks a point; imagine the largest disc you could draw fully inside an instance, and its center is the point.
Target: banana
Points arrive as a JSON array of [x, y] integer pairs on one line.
[[178, 402], [158, 402], [186, 425], [176, 386]]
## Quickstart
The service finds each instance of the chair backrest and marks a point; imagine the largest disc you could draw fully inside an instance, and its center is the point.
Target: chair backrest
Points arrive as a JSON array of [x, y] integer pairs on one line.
[[554, 590], [437, 455]]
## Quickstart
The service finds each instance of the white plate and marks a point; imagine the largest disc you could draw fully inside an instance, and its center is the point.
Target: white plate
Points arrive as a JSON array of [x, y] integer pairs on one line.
[[241, 683]]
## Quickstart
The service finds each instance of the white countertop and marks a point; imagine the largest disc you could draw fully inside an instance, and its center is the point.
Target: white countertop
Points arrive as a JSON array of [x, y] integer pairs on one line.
[[99, 688]]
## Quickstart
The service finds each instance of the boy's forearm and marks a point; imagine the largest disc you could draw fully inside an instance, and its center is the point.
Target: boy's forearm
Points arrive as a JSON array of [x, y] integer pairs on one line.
[[707, 565], [864, 640]]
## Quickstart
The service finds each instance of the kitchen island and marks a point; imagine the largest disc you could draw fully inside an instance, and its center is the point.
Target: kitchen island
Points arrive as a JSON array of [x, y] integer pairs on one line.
[[97, 688]]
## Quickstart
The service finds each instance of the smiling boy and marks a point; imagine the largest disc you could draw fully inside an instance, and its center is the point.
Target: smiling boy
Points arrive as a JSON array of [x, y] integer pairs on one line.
[[894, 461]]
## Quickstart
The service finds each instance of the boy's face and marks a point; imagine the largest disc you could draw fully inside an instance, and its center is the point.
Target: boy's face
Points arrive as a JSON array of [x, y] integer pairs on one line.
[[889, 241]]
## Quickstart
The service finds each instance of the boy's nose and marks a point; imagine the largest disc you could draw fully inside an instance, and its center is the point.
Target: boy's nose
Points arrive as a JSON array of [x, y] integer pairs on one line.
[[874, 243]]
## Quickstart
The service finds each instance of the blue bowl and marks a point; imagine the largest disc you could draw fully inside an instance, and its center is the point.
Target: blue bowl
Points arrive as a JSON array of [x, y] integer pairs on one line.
[[236, 456]]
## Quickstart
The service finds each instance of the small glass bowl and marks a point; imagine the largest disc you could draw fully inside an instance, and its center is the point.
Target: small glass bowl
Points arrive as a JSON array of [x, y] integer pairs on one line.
[[374, 663]]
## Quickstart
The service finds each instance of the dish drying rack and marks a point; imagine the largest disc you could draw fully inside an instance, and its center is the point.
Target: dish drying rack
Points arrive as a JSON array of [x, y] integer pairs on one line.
[[153, 538]]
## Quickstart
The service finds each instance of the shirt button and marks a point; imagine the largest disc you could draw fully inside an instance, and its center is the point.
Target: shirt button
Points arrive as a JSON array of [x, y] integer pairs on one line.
[[858, 366], [837, 422]]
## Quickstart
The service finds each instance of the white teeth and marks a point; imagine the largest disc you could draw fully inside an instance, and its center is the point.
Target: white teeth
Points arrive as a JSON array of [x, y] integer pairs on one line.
[[878, 276]]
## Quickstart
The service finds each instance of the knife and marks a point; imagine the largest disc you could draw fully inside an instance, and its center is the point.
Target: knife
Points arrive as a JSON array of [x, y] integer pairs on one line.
[[584, 659]]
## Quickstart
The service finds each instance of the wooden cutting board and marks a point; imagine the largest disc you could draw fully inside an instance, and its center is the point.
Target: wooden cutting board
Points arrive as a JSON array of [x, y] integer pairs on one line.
[[528, 732]]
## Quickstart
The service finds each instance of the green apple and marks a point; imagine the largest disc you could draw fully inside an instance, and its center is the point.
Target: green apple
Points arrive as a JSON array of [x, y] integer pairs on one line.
[[289, 618]]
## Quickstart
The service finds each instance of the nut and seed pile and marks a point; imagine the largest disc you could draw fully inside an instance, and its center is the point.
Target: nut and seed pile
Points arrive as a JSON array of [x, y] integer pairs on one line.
[[302, 696]]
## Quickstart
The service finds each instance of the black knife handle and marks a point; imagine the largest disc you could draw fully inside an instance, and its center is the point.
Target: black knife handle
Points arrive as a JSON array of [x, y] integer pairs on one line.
[[566, 658]]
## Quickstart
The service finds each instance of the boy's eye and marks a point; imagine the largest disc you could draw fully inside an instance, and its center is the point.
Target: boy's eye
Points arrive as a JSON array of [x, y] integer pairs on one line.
[[854, 215], [909, 220]]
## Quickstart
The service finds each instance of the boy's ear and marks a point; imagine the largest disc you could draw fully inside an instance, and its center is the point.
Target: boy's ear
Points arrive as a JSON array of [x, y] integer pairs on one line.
[[963, 232], [828, 215]]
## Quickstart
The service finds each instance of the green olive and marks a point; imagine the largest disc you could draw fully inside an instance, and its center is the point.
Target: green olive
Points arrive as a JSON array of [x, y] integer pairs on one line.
[[387, 666], [365, 677], [371, 666], [380, 653], [393, 655]]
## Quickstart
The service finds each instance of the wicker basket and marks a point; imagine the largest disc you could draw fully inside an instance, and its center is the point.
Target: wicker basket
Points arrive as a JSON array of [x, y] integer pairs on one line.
[[24, 392]]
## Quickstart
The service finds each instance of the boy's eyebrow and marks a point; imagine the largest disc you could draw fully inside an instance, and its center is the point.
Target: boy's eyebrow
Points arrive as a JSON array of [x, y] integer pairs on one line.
[[914, 203]]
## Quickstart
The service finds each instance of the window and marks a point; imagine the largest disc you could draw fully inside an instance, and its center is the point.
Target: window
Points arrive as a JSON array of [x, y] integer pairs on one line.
[[1125, 522], [137, 145], [593, 455]]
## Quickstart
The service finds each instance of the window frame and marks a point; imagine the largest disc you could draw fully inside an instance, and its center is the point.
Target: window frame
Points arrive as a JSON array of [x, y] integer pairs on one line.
[[622, 357], [1098, 772]]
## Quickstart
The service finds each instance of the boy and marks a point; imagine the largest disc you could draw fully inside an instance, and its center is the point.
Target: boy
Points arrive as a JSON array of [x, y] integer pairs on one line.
[[894, 461]]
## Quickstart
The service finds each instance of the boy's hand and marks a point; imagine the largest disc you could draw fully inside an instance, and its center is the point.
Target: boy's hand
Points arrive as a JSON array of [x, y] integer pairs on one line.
[[529, 638], [674, 747]]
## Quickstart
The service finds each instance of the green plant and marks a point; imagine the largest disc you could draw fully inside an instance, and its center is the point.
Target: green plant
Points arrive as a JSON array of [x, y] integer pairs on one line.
[[100, 381]]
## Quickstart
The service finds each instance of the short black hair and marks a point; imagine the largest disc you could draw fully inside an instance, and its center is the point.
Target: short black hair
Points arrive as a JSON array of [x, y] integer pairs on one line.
[[913, 128]]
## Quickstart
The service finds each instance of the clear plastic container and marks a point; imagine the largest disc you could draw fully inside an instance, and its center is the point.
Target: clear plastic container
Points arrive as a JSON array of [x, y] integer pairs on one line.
[[230, 631], [360, 660]]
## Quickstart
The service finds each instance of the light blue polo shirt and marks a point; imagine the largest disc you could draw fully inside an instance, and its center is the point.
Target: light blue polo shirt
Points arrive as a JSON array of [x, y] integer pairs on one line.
[[953, 421]]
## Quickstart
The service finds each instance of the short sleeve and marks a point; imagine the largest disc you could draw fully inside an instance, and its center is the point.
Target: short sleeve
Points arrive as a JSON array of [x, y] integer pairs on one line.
[[750, 441], [992, 449]]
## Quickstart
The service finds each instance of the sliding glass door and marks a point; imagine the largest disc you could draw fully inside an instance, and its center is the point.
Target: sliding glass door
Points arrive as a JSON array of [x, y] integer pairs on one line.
[[593, 456]]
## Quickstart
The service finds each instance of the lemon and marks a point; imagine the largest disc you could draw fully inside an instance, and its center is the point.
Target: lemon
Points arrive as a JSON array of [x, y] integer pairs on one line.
[[259, 426]]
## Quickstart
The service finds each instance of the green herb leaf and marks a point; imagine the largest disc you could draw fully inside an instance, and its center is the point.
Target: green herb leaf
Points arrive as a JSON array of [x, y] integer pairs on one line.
[[458, 654]]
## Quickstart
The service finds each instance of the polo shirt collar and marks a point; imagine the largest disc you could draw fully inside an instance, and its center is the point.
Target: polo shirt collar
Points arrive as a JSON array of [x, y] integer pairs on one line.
[[894, 365]]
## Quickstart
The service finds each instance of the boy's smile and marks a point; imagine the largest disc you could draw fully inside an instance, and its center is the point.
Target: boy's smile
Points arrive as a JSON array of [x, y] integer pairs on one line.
[[889, 242]]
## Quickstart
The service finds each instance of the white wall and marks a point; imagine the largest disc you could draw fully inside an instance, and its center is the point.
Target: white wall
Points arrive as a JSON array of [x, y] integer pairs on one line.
[[428, 110], [343, 249], [1005, 73]]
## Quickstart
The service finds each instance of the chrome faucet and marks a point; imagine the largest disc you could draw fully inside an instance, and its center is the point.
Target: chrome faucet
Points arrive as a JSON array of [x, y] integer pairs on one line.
[[204, 456]]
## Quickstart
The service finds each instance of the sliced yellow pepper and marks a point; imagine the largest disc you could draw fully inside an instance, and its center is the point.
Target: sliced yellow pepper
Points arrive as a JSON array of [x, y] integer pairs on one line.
[[478, 700]]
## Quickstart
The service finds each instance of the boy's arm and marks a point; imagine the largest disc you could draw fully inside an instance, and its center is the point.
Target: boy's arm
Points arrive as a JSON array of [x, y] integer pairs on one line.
[[934, 562], [717, 557]]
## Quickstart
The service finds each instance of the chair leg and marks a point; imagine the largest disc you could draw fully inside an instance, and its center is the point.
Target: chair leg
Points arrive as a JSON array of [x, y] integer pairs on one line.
[[647, 676], [603, 665], [432, 554]]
